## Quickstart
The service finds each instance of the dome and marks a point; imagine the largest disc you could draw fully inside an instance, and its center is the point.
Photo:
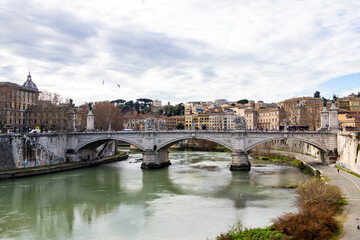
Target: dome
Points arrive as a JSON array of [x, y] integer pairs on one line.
[[29, 83]]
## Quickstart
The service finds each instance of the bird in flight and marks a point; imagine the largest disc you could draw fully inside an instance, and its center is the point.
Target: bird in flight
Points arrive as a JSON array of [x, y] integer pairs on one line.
[[103, 82]]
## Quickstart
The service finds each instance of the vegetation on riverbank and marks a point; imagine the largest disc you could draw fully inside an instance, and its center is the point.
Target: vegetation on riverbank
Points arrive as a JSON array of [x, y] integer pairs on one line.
[[318, 203], [286, 160]]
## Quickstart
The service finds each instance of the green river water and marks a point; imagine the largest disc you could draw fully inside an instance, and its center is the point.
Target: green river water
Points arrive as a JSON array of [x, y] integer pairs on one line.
[[197, 197]]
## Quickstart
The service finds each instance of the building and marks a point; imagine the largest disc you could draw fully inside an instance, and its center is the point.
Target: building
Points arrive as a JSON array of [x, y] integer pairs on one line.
[[174, 121], [216, 121], [343, 104], [350, 103], [133, 122], [270, 118], [251, 118], [303, 111], [261, 104], [189, 121], [349, 120], [18, 103], [354, 105], [229, 122], [265, 118], [220, 101]]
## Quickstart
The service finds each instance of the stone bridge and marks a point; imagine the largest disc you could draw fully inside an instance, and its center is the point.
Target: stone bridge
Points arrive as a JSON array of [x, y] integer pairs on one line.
[[155, 144]]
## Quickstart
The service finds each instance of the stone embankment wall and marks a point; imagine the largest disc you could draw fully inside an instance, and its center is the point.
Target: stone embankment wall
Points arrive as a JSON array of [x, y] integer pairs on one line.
[[289, 145], [349, 151], [6, 155], [21, 151]]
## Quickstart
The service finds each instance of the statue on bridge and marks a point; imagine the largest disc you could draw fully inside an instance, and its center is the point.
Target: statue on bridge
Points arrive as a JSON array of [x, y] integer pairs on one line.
[[90, 104], [161, 124], [324, 101], [334, 98], [240, 123], [150, 124]]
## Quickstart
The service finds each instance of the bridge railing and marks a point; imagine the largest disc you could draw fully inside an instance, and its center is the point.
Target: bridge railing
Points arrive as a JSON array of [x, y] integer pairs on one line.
[[206, 131]]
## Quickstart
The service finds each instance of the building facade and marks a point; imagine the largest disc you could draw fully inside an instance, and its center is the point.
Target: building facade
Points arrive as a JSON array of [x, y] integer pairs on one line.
[[303, 111], [174, 121], [18, 105]]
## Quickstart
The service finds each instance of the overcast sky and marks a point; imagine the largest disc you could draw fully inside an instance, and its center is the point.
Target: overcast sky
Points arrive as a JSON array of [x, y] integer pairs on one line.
[[182, 51]]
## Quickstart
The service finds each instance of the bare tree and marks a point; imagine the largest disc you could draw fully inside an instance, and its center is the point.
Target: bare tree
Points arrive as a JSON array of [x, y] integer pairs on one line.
[[6, 95], [53, 113], [107, 116]]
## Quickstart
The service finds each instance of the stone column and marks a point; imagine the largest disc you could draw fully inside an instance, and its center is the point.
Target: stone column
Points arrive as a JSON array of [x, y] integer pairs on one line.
[[240, 161], [155, 159], [324, 119], [73, 119], [333, 118], [321, 156], [90, 121]]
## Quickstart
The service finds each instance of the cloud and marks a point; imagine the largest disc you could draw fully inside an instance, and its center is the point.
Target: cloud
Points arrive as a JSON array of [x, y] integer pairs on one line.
[[180, 51]]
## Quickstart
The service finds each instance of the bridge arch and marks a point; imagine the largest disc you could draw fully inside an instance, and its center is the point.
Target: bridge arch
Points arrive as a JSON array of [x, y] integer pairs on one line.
[[102, 140], [169, 143], [304, 140]]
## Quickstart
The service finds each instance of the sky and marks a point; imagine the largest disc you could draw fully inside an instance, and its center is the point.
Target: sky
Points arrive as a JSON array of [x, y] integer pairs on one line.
[[181, 51]]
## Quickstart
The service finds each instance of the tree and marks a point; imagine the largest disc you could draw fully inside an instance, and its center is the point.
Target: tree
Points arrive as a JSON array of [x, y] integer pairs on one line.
[[5, 97], [118, 101], [53, 112], [243, 101], [130, 103], [137, 107], [317, 94], [106, 116], [180, 126]]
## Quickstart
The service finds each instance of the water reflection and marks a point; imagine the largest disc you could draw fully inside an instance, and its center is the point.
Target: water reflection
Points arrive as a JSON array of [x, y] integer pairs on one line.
[[123, 202]]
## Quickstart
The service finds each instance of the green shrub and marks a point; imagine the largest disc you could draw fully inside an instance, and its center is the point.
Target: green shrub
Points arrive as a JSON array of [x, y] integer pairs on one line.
[[306, 171], [296, 163], [259, 234]]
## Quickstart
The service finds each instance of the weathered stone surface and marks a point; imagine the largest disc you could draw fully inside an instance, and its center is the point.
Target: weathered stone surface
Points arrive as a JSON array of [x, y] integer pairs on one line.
[[148, 166], [6, 156], [349, 151]]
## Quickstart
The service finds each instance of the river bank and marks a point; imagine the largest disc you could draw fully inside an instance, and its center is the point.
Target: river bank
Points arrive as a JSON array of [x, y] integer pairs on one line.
[[34, 171], [282, 158], [349, 184]]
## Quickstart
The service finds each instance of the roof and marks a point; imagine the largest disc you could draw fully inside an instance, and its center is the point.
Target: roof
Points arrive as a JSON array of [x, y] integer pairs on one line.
[[29, 83]]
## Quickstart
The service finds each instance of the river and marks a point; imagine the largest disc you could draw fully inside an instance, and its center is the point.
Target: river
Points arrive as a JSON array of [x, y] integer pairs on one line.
[[197, 197]]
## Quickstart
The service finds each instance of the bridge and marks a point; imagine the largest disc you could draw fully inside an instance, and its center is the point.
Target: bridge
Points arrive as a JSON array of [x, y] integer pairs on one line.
[[155, 141], [155, 144]]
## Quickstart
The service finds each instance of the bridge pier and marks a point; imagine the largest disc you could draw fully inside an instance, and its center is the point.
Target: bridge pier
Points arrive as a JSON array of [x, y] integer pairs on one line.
[[155, 159], [240, 161]]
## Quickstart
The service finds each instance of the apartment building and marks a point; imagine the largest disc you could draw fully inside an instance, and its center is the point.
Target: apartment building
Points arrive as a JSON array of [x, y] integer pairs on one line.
[[174, 121], [17, 105]]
